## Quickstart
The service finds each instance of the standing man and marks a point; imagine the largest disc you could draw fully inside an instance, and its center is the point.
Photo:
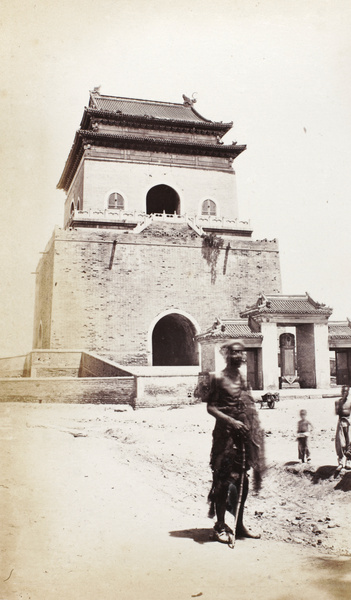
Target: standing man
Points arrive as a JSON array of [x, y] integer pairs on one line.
[[237, 444], [342, 436]]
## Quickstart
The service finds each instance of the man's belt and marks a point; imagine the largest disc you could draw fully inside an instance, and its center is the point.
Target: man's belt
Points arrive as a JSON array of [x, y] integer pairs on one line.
[[235, 405]]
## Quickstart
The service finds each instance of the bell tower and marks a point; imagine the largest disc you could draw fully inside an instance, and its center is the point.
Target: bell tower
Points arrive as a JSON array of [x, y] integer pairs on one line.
[[151, 245], [132, 158]]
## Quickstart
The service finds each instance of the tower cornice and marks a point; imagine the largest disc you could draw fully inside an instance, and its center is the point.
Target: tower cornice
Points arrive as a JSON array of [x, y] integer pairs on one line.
[[109, 140], [150, 122]]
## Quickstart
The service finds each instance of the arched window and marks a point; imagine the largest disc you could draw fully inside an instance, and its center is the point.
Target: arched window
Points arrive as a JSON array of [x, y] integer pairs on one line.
[[72, 209], [209, 208], [116, 201]]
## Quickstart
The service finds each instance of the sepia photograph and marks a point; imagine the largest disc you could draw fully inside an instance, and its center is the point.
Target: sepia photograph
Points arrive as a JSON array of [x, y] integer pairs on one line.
[[175, 306]]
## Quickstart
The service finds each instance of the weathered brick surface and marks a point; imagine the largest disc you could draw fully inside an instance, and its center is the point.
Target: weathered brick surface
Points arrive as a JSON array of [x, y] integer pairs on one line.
[[93, 366], [55, 364], [112, 390], [14, 366], [108, 300], [166, 390], [43, 297]]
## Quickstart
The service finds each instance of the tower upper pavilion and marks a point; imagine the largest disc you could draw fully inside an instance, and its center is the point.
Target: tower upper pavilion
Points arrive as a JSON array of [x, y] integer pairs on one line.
[[133, 161]]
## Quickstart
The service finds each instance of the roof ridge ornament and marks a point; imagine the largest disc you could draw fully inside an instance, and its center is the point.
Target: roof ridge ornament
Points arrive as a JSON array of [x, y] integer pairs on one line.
[[93, 93], [313, 302], [263, 301], [218, 325], [189, 101]]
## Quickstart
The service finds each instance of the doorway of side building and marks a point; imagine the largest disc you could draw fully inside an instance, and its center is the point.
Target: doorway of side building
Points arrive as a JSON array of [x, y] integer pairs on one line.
[[173, 342], [162, 198], [296, 355], [343, 366], [254, 368]]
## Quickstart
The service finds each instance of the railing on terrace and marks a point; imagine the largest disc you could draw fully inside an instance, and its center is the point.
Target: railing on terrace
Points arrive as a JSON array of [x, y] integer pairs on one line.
[[213, 222], [121, 216], [141, 218]]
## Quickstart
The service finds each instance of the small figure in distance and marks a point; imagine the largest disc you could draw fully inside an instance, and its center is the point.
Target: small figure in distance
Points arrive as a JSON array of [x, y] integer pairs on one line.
[[304, 428]]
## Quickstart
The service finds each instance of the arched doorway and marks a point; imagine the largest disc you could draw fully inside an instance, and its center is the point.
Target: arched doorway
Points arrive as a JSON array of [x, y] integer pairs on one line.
[[162, 198], [173, 342]]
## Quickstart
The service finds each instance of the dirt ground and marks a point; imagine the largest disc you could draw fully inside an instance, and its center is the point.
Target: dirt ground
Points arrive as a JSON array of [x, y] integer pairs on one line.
[[104, 502]]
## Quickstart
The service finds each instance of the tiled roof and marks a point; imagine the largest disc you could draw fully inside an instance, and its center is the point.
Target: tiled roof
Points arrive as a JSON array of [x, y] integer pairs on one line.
[[149, 115], [232, 329], [339, 330], [146, 108], [286, 304]]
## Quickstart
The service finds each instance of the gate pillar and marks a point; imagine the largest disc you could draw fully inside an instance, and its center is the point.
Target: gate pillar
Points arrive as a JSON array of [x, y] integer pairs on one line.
[[270, 367], [305, 355], [322, 355]]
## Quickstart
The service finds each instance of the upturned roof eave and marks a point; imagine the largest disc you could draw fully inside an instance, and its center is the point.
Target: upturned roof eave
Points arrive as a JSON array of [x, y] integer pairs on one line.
[[262, 312], [235, 149], [71, 160], [159, 122], [224, 336], [265, 305], [188, 105]]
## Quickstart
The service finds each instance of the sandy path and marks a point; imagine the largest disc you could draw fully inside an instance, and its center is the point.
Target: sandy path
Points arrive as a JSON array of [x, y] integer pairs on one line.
[[95, 505]]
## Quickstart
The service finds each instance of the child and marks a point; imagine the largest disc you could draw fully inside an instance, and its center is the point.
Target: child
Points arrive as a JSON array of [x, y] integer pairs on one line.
[[304, 428]]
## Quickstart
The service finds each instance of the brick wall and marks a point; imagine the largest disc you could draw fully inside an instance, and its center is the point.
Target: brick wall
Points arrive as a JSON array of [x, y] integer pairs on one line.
[[14, 366], [55, 363], [106, 299], [43, 296], [93, 366], [114, 390], [166, 390]]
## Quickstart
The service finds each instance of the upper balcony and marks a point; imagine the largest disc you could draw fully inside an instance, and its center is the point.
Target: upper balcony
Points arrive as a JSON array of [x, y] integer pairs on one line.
[[137, 221]]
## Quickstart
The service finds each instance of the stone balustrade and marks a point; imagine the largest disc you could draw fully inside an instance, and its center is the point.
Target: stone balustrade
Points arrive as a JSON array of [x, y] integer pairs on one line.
[[214, 222], [137, 217]]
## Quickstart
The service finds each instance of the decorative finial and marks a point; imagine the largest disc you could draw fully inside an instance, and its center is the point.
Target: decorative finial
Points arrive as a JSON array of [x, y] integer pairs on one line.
[[189, 101]]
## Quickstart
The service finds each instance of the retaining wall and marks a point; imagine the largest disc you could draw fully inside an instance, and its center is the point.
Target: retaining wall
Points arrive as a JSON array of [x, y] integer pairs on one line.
[[15, 366], [94, 390], [165, 390]]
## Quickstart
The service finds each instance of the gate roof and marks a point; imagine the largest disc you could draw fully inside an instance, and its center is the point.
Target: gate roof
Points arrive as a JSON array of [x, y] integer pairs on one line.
[[231, 329], [280, 307], [340, 334]]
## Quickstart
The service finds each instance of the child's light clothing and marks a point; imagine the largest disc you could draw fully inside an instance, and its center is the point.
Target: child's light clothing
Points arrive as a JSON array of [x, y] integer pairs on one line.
[[304, 428]]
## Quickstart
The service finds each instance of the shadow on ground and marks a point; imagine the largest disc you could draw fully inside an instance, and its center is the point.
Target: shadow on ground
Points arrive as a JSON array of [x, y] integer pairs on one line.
[[338, 576], [345, 483], [324, 472], [201, 536], [331, 472]]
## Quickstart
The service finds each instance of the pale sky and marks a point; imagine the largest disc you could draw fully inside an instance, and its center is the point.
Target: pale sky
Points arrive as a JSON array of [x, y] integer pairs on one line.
[[280, 70]]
